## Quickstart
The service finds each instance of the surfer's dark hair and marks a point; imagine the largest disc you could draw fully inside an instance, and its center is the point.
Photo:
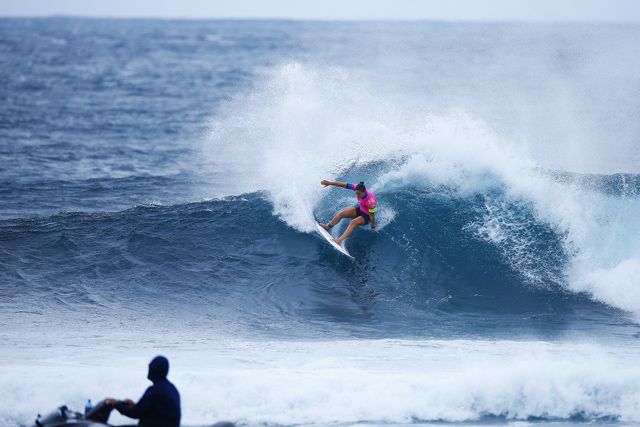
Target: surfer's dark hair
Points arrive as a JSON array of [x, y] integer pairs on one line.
[[361, 187]]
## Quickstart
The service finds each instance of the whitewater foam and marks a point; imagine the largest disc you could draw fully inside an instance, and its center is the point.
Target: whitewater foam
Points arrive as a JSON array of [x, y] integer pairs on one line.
[[385, 381]]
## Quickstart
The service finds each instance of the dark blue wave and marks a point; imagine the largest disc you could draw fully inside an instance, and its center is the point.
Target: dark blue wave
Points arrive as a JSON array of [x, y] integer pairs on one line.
[[231, 260]]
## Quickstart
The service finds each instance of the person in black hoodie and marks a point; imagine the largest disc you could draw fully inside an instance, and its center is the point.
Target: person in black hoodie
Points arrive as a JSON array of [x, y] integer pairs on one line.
[[159, 406]]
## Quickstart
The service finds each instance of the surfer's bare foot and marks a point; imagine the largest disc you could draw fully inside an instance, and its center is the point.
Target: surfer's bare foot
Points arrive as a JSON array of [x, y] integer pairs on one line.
[[325, 226], [338, 241]]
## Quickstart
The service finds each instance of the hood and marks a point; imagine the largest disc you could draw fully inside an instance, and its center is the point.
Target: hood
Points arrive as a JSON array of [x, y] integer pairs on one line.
[[158, 369]]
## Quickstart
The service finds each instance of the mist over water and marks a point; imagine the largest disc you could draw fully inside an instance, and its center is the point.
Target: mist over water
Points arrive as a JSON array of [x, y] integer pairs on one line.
[[302, 123], [159, 186]]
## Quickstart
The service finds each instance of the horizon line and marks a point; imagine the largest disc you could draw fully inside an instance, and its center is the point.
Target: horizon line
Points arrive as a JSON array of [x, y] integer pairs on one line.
[[323, 19]]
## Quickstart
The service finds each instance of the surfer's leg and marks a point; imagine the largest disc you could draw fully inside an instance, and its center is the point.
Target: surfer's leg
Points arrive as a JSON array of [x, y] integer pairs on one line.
[[352, 225], [347, 213]]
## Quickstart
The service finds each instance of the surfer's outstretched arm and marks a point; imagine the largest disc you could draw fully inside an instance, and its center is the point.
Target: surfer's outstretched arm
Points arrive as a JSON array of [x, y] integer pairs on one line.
[[336, 183]]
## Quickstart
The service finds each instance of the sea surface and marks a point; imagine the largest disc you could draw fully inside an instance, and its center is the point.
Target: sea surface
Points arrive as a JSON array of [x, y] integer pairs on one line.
[[159, 182]]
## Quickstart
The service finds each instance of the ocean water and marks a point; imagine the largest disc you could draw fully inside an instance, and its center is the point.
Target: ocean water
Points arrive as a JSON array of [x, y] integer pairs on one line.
[[159, 181]]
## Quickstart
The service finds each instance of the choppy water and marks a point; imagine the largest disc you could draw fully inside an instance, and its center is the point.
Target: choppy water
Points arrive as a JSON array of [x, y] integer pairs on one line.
[[159, 182]]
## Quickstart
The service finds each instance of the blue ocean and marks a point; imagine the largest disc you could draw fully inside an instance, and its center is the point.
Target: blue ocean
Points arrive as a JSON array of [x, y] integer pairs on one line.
[[160, 179]]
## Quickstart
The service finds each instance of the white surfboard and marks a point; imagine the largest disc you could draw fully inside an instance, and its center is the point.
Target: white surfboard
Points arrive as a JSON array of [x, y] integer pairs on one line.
[[329, 238]]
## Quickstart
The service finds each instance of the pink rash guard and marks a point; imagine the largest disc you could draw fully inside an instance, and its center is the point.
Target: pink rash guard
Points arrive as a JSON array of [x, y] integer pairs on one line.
[[367, 203]]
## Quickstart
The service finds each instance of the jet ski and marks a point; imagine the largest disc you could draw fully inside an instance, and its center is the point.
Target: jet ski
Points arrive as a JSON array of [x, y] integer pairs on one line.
[[65, 417]]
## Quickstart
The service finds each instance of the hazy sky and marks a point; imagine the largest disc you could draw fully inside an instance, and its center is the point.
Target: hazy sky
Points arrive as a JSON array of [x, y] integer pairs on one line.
[[494, 10]]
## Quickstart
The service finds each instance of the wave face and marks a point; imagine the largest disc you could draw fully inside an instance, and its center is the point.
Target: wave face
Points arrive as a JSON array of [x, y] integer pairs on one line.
[[159, 181], [439, 258]]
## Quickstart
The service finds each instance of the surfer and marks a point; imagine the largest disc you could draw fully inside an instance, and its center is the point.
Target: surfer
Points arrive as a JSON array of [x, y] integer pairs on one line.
[[363, 213]]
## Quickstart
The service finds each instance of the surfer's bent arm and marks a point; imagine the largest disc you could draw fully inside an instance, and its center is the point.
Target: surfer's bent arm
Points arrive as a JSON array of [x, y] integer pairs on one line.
[[336, 183]]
